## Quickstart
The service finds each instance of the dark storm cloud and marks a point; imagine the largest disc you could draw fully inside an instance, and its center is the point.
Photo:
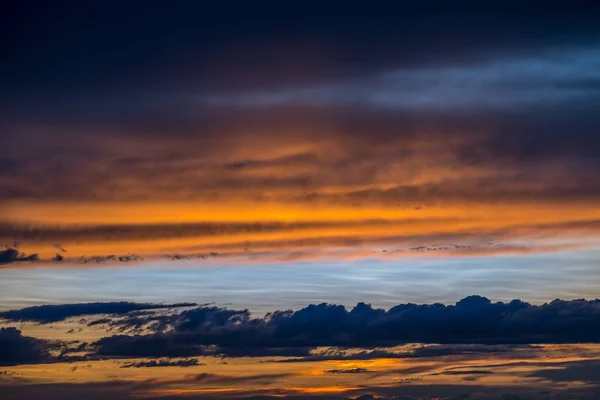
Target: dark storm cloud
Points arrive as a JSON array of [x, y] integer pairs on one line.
[[472, 320], [17, 349], [53, 313]]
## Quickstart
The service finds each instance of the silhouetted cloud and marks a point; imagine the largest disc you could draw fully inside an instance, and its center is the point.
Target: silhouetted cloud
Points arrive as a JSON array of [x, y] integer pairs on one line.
[[53, 313], [120, 258], [18, 349], [474, 319], [189, 362], [347, 371], [11, 255], [99, 321]]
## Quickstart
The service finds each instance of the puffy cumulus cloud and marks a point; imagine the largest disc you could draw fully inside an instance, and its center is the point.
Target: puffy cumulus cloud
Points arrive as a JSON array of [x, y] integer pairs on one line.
[[474, 319], [18, 349], [54, 313]]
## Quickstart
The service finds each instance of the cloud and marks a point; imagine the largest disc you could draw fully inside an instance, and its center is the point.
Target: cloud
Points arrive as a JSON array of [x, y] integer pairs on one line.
[[11, 255], [473, 320], [188, 362], [223, 379], [446, 231], [516, 82], [150, 231], [428, 351], [440, 115], [348, 371], [120, 390], [570, 371], [99, 321], [466, 372], [53, 313], [17, 349]]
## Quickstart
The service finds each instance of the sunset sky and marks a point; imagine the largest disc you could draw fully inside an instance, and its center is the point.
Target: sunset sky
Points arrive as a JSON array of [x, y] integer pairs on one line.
[[196, 161]]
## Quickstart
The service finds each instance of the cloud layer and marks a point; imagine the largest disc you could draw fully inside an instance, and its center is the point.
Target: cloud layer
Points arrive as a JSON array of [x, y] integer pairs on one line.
[[361, 117], [53, 313], [472, 320], [485, 104]]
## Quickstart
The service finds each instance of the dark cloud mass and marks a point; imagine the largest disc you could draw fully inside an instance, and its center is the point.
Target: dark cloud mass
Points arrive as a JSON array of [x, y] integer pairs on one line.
[[18, 349], [11, 255], [54, 313], [474, 319]]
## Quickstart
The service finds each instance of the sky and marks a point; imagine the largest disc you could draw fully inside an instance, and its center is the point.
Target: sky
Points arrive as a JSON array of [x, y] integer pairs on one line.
[[213, 159]]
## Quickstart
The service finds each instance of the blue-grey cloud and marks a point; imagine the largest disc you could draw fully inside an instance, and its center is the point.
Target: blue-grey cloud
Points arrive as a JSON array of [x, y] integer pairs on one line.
[[472, 320], [18, 349], [570, 371], [54, 313], [538, 80]]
